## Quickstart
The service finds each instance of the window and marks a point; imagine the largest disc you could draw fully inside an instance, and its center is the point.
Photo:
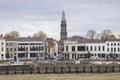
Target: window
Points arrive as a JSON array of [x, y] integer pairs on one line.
[[39, 44], [114, 44], [2, 43], [11, 44], [33, 55], [95, 48], [34, 48], [43, 48], [41, 54], [114, 49], [26, 48], [103, 55], [39, 49], [21, 55], [36, 43], [103, 48], [10, 49], [95, 54], [32, 44], [2, 55], [99, 55], [78, 48], [7, 49], [111, 44], [118, 49], [91, 48], [73, 48], [107, 44], [62, 47], [55, 54], [87, 48], [116, 55], [21, 48], [81, 56], [14, 49], [99, 48], [118, 44], [2, 49], [23, 44], [108, 49], [74, 56], [81, 48], [91, 54], [78, 55], [111, 49], [67, 48]]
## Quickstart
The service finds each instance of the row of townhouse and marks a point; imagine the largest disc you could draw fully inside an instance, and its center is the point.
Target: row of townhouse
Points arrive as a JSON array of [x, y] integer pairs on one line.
[[79, 48], [35, 48], [23, 47], [2, 48]]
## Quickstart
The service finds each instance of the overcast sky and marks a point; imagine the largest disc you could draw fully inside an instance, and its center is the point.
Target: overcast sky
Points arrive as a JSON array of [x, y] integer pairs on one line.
[[30, 16]]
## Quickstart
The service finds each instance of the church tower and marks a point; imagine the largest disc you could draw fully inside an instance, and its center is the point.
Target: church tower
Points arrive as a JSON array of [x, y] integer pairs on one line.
[[63, 32]]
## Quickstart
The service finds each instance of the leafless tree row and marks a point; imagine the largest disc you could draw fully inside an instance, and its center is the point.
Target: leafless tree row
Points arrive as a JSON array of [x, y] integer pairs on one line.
[[16, 35], [104, 35]]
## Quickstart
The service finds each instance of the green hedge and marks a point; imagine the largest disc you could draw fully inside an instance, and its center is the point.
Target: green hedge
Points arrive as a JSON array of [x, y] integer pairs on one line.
[[1, 62]]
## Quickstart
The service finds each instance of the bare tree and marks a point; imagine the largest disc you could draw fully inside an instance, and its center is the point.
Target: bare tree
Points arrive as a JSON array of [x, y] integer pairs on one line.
[[40, 34], [13, 34], [91, 34], [97, 36], [105, 34]]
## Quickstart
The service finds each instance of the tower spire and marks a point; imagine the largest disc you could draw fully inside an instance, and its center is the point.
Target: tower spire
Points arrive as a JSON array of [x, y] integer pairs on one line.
[[63, 16], [63, 32]]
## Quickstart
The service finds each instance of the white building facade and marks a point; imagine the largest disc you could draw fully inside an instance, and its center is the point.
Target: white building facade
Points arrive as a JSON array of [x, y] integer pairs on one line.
[[75, 49], [11, 48], [25, 48], [31, 48], [2, 49], [113, 47]]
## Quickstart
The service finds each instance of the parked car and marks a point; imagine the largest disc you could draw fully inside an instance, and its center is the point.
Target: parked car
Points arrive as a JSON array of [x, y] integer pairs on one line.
[[11, 61]]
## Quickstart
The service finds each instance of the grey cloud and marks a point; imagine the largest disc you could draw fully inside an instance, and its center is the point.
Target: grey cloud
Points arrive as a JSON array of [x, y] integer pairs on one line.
[[81, 16]]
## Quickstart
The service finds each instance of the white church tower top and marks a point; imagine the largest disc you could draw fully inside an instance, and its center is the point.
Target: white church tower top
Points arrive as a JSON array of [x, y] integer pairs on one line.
[[63, 16]]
